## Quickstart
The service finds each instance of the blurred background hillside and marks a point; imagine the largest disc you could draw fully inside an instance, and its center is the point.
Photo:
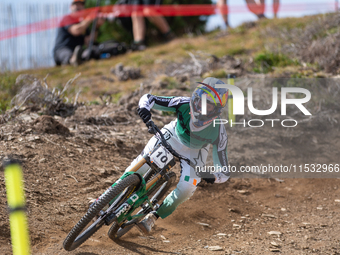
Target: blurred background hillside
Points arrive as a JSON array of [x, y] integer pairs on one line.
[[35, 49]]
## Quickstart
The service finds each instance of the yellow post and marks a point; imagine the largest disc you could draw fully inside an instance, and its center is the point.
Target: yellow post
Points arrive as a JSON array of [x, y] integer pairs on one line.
[[16, 203], [230, 100]]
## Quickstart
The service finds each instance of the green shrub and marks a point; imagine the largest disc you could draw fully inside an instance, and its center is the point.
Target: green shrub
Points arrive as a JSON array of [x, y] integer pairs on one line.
[[8, 90], [264, 62]]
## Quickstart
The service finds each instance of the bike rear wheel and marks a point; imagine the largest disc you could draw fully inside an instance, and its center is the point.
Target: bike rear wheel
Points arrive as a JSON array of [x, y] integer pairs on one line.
[[155, 193], [76, 237]]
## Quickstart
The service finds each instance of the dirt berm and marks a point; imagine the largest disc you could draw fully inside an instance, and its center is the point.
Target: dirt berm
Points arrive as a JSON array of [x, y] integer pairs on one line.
[[68, 161]]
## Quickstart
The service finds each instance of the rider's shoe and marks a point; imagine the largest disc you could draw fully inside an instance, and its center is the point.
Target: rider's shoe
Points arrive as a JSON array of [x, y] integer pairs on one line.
[[138, 46], [146, 225], [168, 36], [76, 59]]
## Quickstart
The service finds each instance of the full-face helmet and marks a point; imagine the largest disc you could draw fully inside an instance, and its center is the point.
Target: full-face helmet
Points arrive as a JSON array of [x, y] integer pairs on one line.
[[216, 99]]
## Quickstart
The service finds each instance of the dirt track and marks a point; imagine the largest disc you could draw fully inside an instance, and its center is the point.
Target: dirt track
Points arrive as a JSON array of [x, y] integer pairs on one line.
[[62, 173]]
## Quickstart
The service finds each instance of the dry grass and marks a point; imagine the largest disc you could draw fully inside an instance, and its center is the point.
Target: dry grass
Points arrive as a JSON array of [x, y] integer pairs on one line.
[[316, 42], [312, 40]]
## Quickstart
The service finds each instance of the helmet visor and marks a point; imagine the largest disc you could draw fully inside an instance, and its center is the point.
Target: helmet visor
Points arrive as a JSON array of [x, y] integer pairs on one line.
[[212, 110]]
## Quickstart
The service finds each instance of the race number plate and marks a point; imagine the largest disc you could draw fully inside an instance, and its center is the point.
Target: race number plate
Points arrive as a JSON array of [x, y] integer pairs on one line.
[[161, 157]]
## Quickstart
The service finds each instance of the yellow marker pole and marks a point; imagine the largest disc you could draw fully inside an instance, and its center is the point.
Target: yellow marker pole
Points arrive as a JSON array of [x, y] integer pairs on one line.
[[16, 203], [230, 100]]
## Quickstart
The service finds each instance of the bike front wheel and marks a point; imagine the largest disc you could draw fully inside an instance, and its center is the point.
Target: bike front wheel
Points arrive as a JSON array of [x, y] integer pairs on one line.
[[76, 237]]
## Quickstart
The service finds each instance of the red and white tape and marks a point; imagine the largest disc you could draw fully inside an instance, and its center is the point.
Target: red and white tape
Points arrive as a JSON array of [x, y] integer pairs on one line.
[[153, 10]]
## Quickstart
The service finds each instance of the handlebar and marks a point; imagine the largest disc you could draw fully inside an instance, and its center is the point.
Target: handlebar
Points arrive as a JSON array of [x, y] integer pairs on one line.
[[153, 129]]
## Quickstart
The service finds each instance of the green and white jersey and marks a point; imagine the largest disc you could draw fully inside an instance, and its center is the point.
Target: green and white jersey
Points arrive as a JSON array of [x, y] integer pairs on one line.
[[191, 136]]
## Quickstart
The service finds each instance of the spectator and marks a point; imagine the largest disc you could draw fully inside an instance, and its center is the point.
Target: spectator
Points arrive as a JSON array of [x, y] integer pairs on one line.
[[258, 8], [276, 4], [223, 5], [253, 6], [72, 36], [138, 24]]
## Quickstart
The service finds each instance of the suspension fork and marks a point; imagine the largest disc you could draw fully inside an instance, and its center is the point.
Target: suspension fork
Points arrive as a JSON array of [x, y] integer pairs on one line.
[[154, 179], [139, 164]]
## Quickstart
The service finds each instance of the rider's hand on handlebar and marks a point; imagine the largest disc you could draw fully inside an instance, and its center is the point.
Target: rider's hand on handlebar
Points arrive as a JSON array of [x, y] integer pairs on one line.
[[145, 114], [151, 127]]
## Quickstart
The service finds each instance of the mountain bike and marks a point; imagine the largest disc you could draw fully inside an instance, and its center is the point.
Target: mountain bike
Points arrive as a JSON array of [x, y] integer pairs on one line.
[[117, 205]]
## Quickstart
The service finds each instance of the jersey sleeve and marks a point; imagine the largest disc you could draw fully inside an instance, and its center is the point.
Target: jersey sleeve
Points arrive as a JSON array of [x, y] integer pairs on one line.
[[171, 104], [220, 156]]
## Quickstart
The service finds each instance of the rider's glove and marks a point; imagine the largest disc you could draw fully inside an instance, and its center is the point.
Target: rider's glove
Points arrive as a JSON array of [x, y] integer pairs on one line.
[[209, 180], [145, 114]]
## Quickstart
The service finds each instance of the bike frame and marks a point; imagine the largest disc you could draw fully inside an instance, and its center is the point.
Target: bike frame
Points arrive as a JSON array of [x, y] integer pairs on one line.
[[137, 197]]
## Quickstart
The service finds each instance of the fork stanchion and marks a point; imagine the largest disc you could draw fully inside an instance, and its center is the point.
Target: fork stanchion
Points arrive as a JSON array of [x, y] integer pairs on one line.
[[231, 116], [138, 165], [153, 181], [16, 203]]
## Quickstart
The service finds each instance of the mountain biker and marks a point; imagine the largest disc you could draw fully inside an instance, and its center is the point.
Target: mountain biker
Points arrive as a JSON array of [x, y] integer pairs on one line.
[[190, 135]]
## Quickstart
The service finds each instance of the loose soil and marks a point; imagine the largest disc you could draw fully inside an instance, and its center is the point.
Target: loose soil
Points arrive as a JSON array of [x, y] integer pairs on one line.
[[69, 161]]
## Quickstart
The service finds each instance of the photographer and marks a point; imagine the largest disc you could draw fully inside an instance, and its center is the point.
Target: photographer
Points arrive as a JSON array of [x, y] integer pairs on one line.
[[73, 35]]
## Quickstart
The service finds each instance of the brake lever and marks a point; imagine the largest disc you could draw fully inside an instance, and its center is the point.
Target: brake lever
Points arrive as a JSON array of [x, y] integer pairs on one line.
[[150, 127], [151, 131]]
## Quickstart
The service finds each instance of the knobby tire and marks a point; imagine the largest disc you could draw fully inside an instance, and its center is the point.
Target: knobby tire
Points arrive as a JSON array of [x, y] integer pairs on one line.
[[75, 238]]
